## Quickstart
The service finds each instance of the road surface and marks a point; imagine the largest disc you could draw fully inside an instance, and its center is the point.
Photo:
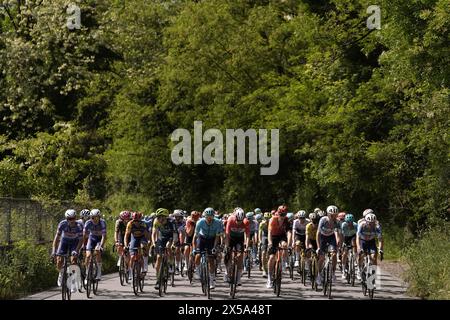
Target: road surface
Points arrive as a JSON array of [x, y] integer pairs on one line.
[[254, 288]]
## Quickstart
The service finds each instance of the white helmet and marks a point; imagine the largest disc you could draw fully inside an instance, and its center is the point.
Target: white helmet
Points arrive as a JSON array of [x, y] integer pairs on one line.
[[367, 211], [95, 213], [312, 216], [370, 217], [332, 210], [321, 213], [239, 213], [178, 213], [302, 214], [70, 214], [316, 210]]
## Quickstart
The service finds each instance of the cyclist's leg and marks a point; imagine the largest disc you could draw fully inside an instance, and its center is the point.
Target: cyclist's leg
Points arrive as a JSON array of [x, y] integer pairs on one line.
[[145, 249], [272, 257], [240, 258]]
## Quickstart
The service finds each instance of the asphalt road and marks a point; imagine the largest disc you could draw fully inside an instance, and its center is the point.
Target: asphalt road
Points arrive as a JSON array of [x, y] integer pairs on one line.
[[252, 288]]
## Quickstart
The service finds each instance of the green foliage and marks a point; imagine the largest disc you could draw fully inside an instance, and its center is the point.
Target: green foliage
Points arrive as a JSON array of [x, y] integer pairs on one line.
[[25, 269], [428, 273]]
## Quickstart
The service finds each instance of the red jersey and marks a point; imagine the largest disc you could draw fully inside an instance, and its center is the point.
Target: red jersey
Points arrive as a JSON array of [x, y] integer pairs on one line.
[[235, 230], [278, 225]]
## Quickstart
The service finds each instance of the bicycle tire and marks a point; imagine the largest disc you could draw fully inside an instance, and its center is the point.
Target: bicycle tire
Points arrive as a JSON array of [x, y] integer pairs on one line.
[[330, 283], [291, 267], [64, 281], [234, 279], [95, 281], [303, 267], [279, 275], [249, 266], [135, 278], [89, 278], [122, 272]]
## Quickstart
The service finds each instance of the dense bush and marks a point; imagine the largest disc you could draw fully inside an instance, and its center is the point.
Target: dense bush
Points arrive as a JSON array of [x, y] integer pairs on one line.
[[429, 262]]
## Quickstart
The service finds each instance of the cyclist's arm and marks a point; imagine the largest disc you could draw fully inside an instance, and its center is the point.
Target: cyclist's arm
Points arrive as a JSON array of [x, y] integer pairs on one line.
[[318, 237], [194, 241], [154, 235], [56, 242], [269, 236]]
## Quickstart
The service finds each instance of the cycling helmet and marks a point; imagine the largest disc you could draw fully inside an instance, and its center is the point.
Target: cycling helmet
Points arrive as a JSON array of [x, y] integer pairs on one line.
[[302, 214], [367, 211], [70, 214], [332, 210], [125, 215], [249, 215], [316, 210], [162, 212], [290, 215], [95, 213], [273, 212], [267, 215], [341, 216], [85, 213], [136, 215], [282, 209], [209, 212], [178, 213], [152, 215], [239, 213], [185, 213], [313, 216], [257, 211], [195, 215], [370, 217], [349, 217], [258, 217]]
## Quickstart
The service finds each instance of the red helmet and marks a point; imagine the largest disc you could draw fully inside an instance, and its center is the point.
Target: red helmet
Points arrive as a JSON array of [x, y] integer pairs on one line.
[[341, 216], [282, 209], [195, 215], [125, 215], [136, 215]]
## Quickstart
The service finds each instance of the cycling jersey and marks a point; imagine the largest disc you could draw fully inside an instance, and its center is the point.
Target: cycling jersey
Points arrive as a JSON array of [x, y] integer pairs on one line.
[[165, 231], [278, 225], [121, 228], [68, 231], [299, 228], [235, 230], [95, 230], [264, 226], [349, 229], [190, 226], [311, 231], [81, 221], [136, 228], [368, 232], [206, 230], [253, 226], [327, 227]]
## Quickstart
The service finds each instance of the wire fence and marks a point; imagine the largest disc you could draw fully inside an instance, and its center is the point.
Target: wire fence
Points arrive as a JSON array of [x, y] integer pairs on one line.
[[26, 219]]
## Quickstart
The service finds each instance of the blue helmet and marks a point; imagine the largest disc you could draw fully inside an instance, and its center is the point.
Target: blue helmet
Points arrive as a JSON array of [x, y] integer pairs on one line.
[[209, 212], [249, 215], [349, 217], [290, 215]]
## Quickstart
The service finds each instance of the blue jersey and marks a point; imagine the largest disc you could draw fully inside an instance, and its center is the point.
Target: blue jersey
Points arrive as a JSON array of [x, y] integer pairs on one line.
[[349, 229], [67, 231], [206, 230], [327, 227], [97, 230], [368, 231]]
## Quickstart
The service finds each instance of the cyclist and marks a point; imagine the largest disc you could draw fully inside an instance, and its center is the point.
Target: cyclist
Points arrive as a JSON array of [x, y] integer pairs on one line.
[[367, 231], [164, 234], [299, 232], [310, 236], [84, 216], [262, 235], [95, 235], [68, 240], [180, 226], [348, 231], [340, 219], [327, 235], [253, 234], [191, 221], [119, 235], [278, 233], [237, 233], [207, 233], [136, 235]]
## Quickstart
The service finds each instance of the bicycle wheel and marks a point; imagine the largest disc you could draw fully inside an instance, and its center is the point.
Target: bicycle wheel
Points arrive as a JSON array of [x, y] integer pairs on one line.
[[249, 265], [233, 279], [278, 278], [291, 267], [330, 281], [161, 279], [303, 269], [166, 276], [208, 289], [64, 290], [94, 280], [89, 278], [136, 278], [325, 278], [191, 268], [122, 272], [172, 278]]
